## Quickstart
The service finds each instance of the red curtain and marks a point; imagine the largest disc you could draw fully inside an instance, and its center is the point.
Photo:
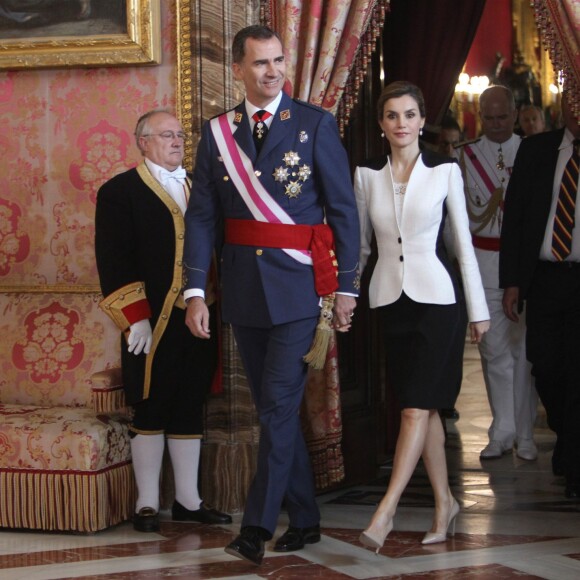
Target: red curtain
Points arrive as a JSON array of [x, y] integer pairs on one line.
[[427, 43]]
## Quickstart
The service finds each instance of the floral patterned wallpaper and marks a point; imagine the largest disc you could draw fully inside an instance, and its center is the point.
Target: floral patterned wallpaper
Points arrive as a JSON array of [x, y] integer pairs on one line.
[[64, 132]]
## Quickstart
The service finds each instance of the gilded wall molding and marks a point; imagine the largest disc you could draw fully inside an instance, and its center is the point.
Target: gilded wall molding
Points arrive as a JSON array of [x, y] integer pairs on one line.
[[50, 289]]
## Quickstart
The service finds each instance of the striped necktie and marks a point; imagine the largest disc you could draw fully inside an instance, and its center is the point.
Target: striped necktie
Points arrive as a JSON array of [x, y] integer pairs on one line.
[[564, 220]]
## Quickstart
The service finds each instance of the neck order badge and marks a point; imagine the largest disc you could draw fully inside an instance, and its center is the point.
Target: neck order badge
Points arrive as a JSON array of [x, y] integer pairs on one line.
[[260, 128]]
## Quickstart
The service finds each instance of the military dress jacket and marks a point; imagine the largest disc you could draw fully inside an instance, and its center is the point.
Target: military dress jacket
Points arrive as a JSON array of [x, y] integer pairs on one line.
[[486, 175], [304, 168]]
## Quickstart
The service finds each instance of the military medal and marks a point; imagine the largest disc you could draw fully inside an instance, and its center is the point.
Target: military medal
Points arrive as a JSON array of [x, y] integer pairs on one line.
[[259, 131], [280, 174], [304, 172], [291, 158], [500, 163], [293, 189]]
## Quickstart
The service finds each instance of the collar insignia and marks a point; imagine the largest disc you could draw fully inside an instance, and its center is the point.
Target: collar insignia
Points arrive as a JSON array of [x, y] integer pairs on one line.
[[285, 115], [238, 118]]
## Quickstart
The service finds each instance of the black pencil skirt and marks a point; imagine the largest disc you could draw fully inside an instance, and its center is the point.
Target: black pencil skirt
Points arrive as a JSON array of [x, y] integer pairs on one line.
[[425, 344]]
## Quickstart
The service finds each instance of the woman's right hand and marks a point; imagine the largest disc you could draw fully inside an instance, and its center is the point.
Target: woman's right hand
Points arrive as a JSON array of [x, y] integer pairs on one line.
[[477, 330]]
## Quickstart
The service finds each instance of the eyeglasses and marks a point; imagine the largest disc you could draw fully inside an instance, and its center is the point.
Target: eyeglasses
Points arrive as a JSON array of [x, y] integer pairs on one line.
[[167, 135]]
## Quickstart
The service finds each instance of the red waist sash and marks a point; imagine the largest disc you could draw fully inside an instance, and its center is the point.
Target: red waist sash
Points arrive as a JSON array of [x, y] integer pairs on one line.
[[483, 243], [318, 239]]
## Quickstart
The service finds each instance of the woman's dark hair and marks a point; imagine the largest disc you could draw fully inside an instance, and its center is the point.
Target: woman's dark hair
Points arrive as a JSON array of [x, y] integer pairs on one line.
[[400, 89]]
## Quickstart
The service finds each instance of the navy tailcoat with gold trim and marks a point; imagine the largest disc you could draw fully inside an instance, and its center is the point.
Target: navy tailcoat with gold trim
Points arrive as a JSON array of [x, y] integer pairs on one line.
[[136, 235]]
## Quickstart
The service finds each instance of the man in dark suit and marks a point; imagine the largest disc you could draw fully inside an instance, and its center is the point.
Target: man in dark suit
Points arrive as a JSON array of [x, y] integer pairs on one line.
[[274, 170], [167, 373], [540, 263]]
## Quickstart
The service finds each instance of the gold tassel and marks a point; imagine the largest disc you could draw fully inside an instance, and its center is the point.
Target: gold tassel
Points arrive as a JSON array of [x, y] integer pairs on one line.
[[316, 356]]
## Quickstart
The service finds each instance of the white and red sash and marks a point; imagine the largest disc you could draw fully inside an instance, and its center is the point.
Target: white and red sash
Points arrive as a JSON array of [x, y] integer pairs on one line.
[[476, 164], [241, 171]]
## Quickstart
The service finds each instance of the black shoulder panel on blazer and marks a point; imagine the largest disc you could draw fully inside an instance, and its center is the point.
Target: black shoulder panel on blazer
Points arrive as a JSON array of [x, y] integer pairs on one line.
[[433, 158], [375, 164]]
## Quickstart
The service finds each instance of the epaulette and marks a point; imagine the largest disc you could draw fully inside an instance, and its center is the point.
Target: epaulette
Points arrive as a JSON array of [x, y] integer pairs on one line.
[[309, 105], [468, 142], [223, 113]]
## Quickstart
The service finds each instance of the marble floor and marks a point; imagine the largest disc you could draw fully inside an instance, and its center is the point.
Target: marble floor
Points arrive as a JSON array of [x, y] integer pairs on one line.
[[514, 523]]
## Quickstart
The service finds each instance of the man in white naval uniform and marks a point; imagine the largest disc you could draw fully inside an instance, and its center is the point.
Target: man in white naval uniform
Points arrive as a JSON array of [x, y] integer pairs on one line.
[[486, 164]]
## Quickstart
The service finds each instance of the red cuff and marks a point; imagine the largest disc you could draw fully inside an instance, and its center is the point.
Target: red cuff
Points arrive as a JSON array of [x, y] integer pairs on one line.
[[137, 311]]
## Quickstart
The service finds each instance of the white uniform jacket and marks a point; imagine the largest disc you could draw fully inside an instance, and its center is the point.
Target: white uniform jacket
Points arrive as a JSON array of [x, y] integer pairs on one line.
[[486, 181], [411, 256]]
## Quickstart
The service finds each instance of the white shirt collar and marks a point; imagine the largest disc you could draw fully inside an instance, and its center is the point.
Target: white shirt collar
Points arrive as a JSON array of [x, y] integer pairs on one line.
[[567, 140], [157, 170], [271, 108]]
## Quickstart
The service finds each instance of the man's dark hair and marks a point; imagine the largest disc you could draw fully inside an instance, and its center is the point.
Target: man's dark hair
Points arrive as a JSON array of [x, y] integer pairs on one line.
[[256, 32], [449, 122]]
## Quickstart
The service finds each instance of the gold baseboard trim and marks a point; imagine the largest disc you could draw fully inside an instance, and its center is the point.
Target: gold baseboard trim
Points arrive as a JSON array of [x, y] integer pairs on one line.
[[50, 289]]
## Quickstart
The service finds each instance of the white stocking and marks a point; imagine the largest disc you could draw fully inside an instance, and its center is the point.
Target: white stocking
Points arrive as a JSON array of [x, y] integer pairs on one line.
[[184, 455], [147, 452]]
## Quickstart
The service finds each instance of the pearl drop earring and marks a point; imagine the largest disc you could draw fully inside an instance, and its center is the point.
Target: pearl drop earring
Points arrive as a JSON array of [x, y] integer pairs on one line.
[[421, 131]]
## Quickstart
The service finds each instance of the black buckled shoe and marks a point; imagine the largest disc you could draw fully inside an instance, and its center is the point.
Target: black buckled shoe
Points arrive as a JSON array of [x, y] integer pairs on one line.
[[147, 520], [203, 515], [249, 545], [295, 538]]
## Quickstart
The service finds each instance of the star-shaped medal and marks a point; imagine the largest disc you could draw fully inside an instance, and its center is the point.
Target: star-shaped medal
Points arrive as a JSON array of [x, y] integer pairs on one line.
[[280, 174], [291, 158], [293, 189], [304, 172]]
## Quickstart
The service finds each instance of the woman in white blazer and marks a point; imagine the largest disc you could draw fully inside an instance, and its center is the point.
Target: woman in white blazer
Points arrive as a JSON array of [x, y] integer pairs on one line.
[[405, 199]]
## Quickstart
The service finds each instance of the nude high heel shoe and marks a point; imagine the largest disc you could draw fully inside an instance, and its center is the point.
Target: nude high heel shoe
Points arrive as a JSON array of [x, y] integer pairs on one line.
[[376, 538], [438, 537]]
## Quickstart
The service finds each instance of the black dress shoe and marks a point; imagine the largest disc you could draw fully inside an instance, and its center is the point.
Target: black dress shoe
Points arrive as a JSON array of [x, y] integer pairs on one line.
[[249, 545], [295, 538], [147, 520], [203, 515]]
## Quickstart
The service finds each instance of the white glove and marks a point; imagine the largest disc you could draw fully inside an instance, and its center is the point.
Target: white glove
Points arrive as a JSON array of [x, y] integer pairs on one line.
[[140, 337]]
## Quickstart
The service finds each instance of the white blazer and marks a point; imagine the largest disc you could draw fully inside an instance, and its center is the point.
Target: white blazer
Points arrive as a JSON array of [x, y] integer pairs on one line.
[[407, 250]]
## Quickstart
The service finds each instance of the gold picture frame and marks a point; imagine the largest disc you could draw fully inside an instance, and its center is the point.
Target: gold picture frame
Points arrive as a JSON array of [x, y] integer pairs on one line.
[[139, 44]]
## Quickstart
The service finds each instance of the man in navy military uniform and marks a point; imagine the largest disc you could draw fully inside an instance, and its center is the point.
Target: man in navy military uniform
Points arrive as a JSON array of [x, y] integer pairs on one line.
[[275, 171]]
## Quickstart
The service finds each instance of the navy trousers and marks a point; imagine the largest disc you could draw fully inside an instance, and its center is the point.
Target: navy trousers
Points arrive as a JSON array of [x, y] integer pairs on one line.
[[276, 372]]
